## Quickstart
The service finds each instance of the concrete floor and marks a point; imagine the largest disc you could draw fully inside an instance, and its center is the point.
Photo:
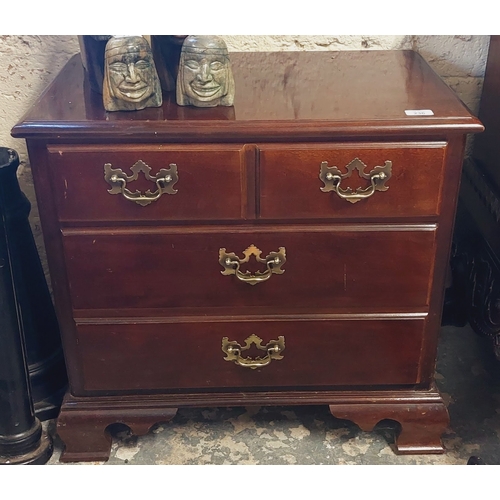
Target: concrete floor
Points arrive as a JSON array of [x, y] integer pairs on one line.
[[467, 374]]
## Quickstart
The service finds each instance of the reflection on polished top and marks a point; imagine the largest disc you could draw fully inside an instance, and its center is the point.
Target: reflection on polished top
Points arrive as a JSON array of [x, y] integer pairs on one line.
[[277, 95]]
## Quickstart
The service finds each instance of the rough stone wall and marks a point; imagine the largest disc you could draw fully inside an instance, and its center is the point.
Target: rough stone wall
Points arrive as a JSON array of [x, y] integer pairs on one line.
[[459, 60], [29, 63]]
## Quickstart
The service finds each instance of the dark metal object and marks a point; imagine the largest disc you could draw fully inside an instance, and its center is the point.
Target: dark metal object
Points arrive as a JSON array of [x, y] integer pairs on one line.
[[475, 263], [231, 264], [165, 180], [233, 351], [21, 439], [474, 296], [332, 177], [41, 330]]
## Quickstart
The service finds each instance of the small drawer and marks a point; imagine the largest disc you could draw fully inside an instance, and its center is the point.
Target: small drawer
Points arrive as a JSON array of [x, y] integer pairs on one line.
[[151, 182], [293, 353], [328, 268], [350, 180]]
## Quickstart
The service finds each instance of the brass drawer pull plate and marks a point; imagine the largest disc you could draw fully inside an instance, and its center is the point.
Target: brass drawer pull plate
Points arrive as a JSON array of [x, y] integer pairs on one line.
[[233, 351], [231, 264], [332, 177], [164, 180]]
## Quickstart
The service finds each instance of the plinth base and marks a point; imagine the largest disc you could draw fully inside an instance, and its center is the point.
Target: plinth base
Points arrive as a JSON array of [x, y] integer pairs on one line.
[[422, 415], [83, 421]]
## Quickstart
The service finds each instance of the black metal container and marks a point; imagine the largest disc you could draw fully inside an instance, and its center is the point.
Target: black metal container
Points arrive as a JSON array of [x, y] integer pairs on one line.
[[21, 438], [43, 343]]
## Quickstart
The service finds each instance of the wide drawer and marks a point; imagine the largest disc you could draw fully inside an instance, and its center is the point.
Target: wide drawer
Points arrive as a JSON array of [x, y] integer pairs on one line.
[[291, 185], [207, 182], [327, 267], [189, 356]]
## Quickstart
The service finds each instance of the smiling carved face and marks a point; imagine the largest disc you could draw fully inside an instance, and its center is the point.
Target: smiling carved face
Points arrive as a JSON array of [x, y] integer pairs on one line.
[[130, 78], [205, 77], [131, 75]]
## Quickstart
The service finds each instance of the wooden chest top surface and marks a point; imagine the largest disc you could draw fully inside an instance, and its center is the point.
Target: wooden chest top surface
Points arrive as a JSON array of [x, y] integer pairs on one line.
[[279, 96]]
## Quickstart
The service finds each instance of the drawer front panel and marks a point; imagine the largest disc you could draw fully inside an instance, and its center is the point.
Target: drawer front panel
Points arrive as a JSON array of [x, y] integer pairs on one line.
[[327, 268], [211, 182], [290, 184], [126, 357]]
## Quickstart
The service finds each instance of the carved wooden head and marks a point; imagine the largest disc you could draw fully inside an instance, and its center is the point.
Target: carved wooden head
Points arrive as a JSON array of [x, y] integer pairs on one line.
[[130, 78], [205, 78]]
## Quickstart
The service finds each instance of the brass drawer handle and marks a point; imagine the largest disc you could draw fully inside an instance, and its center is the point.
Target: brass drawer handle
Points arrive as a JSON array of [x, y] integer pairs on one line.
[[231, 264], [164, 180], [332, 177], [233, 351]]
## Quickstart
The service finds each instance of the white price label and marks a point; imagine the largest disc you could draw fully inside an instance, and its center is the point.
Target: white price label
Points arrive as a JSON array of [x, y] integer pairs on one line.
[[419, 112]]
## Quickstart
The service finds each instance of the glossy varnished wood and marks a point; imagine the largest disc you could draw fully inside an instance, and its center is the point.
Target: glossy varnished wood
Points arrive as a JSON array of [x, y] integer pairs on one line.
[[423, 418], [282, 96], [85, 431], [83, 421], [337, 267], [317, 354], [212, 182], [140, 296], [290, 184]]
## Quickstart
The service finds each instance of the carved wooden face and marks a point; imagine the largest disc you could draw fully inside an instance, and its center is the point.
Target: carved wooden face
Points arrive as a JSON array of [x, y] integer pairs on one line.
[[205, 76], [131, 73]]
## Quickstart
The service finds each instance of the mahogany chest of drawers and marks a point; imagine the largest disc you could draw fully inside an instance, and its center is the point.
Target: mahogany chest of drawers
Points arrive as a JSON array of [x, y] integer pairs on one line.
[[291, 249]]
